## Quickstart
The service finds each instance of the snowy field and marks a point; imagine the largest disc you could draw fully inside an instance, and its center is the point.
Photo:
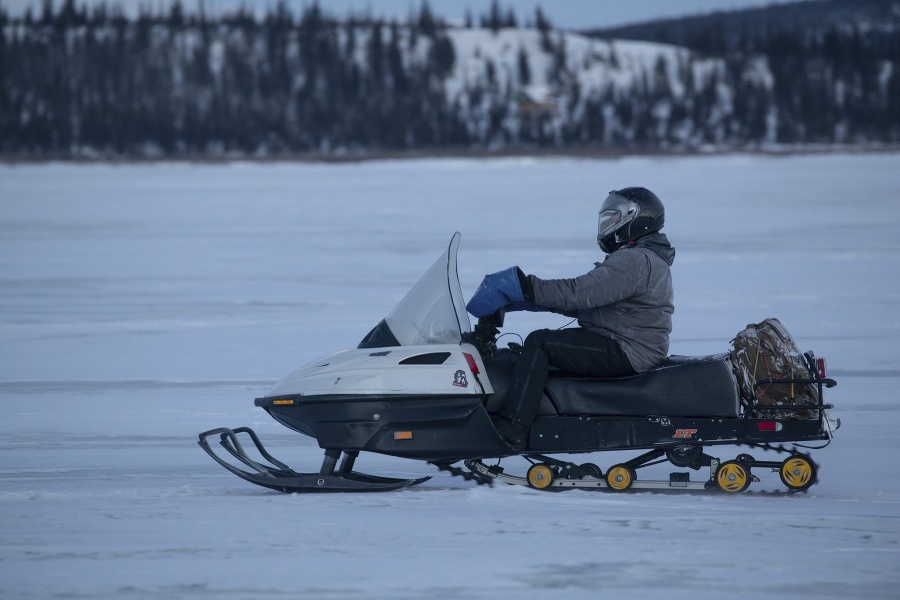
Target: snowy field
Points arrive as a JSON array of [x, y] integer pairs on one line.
[[143, 304]]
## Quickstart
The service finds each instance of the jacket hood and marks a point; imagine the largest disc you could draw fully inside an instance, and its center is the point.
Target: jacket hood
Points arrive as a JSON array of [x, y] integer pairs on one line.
[[659, 244]]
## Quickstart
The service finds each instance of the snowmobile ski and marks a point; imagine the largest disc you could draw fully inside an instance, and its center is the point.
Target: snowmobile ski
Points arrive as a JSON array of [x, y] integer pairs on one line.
[[330, 478]]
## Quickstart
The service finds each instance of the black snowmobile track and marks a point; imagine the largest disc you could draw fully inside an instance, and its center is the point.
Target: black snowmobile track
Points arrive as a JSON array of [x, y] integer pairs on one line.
[[465, 474], [568, 475]]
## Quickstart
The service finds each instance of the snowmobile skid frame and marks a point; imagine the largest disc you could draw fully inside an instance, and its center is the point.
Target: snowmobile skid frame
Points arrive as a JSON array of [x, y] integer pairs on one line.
[[330, 478], [798, 472]]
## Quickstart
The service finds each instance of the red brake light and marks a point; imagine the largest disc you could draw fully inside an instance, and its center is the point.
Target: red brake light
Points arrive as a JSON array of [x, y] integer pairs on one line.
[[769, 426], [473, 366], [820, 366]]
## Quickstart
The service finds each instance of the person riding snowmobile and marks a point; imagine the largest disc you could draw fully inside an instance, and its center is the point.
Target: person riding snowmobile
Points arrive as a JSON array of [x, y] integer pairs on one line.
[[624, 308]]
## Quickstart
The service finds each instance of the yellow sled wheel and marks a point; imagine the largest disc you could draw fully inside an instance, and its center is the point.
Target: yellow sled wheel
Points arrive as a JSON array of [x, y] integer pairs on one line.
[[619, 478], [540, 476], [798, 473], [733, 477]]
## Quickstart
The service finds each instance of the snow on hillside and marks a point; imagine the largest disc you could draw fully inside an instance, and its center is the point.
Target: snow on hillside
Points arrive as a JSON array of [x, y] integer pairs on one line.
[[570, 75], [557, 60]]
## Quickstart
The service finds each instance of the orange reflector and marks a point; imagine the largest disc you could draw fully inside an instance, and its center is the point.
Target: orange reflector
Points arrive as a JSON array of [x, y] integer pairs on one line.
[[403, 435], [282, 402]]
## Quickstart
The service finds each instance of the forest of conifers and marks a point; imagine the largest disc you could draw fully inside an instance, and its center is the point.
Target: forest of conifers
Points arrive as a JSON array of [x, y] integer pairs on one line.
[[85, 82]]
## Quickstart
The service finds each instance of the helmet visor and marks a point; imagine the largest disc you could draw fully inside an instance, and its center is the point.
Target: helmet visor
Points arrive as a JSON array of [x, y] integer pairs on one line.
[[615, 212]]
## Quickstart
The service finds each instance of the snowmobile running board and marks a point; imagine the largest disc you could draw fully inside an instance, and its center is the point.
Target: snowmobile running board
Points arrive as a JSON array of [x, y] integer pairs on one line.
[[282, 478]]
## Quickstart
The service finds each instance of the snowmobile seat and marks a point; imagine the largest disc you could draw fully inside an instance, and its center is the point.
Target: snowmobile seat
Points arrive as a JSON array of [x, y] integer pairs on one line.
[[682, 386]]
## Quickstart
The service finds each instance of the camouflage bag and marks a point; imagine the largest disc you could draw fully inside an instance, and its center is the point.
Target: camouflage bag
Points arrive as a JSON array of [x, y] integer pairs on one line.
[[766, 351]]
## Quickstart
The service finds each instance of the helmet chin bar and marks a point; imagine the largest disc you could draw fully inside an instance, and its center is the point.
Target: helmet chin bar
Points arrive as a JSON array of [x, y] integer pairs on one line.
[[617, 240], [610, 248]]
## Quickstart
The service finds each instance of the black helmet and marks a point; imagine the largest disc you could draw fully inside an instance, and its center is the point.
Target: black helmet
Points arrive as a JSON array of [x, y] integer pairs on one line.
[[628, 214]]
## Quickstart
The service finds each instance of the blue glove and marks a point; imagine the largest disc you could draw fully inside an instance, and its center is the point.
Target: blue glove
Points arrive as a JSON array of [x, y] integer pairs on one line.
[[496, 291], [526, 305]]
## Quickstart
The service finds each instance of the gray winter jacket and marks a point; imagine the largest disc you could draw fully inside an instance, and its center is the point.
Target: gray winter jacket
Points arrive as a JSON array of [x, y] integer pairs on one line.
[[628, 297]]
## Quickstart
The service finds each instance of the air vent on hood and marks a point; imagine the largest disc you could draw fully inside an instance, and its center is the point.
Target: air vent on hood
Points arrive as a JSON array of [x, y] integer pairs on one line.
[[432, 358]]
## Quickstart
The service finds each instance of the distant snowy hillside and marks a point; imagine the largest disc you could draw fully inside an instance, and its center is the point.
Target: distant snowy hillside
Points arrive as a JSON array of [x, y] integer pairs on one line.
[[79, 83], [623, 90]]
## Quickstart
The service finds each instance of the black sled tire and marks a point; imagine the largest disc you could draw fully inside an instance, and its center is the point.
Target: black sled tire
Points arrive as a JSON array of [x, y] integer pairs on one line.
[[684, 456], [592, 470]]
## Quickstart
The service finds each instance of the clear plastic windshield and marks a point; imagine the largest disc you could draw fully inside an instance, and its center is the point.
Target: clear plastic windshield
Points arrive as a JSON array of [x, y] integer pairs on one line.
[[432, 312]]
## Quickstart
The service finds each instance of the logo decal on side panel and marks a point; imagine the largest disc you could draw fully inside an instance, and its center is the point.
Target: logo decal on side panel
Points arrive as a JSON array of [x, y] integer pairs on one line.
[[684, 433], [460, 380]]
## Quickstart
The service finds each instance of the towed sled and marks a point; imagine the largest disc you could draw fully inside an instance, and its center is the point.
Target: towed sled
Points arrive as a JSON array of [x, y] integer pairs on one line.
[[423, 385]]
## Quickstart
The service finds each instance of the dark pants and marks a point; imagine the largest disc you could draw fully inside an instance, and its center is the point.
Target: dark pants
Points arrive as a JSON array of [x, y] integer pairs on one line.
[[574, 350]]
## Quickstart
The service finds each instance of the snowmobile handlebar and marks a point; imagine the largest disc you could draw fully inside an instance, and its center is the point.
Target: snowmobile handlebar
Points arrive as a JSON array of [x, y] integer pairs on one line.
[[484, 335], [493, 320]]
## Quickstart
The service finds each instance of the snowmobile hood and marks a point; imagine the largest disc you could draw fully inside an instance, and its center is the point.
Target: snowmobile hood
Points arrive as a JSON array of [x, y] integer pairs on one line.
[[659, 244]]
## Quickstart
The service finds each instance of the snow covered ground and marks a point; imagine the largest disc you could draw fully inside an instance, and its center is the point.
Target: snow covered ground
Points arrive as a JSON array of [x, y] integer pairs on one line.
[[143, 304]]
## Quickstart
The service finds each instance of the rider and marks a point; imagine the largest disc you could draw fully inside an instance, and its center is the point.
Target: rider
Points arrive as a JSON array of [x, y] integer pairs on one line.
[[624, 308]]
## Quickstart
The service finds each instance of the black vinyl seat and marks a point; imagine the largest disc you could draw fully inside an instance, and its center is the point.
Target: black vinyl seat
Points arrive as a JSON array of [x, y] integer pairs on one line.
[[682, 386]]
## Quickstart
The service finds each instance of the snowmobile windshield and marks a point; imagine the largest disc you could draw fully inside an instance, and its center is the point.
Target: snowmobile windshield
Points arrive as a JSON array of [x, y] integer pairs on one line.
[[615, 212], [432, 312]]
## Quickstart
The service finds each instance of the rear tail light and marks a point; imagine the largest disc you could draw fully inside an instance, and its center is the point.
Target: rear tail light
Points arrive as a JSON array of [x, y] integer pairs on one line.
[[821, 368], [473, 366], [769, 426]]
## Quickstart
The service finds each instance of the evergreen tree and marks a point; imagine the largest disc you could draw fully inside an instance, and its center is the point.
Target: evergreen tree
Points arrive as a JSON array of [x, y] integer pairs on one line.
[[524, 70]]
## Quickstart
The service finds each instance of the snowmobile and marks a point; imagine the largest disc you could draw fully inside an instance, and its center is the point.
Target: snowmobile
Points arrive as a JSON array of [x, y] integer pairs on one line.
[[423, 384]]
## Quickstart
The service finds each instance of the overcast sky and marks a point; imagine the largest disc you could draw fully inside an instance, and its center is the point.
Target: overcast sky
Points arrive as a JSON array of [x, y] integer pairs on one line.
[[568, 14]]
